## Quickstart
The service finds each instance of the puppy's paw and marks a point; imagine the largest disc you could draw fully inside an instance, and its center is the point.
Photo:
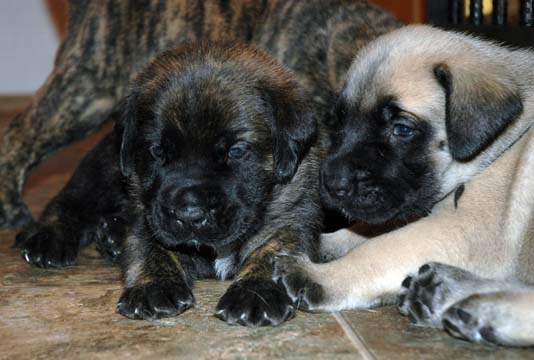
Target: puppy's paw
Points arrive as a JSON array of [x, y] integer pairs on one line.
[[48, 246], [109, 238], [255, 302], [494, 318], [295, 274], [155, 300], [426, 295]]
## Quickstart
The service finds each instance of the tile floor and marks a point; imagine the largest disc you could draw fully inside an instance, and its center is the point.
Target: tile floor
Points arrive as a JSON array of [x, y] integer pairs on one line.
[[71, 313]]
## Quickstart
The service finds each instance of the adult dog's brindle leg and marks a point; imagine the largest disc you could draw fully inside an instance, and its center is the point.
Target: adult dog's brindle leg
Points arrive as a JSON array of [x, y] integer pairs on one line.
[[78, 95]]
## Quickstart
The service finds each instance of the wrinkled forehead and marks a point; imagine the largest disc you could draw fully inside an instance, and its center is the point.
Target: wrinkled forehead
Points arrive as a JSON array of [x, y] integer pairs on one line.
[[395, 73], [207, 113]]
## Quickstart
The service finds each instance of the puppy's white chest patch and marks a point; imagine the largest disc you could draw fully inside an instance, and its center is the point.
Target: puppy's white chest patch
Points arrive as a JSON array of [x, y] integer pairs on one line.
[[224, 266]]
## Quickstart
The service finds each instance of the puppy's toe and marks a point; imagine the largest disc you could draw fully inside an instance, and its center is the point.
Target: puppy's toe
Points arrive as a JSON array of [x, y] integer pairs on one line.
[[424, 294], [294, 274], [48, 246], [155, 300], [255, 303], [462, 324], [494, 318], [109, 238]]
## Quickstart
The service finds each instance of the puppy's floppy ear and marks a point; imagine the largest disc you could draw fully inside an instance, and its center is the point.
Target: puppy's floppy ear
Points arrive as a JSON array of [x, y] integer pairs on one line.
[[126, 129], [294, 129], [481, 101]]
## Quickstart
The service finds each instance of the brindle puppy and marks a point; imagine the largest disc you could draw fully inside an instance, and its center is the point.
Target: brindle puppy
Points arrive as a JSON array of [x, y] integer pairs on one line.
[[108, 41], [214, 149]]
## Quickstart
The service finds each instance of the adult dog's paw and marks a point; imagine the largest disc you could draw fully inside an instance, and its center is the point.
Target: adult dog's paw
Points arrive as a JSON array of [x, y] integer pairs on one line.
[[155, 300], [48, 246], [109, 237], [425, 296], [255, 302], [293, 272]]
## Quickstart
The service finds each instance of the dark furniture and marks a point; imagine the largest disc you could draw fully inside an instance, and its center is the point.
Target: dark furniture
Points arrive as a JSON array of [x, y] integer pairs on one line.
[[519, 32]]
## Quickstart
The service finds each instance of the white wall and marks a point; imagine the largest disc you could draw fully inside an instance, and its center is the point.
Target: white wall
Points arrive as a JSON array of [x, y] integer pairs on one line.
[[28, 43]]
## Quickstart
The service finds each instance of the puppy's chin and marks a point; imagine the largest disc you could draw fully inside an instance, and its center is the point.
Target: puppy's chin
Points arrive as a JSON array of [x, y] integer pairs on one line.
[[383, 213]]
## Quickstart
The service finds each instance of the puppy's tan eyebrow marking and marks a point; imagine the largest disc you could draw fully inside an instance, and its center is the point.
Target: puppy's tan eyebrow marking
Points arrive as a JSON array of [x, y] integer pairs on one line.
[[391, 109], [409, 115], [399, 111]]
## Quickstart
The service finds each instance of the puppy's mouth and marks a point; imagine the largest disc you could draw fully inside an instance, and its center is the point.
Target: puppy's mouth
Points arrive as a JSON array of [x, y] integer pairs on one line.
[[378, 207], [372, 205], [373, 215], [215, 229]]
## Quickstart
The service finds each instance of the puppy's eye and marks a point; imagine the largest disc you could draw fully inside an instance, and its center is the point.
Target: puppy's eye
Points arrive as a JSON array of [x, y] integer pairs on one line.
[[157, 152], [403, 130], [237, 151]]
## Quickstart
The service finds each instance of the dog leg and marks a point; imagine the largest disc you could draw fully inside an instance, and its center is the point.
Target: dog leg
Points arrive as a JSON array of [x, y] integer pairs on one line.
[[71, 219], [501, 317], [337, 244], [77, 97], [110, 235], [371, 274], [254, 298], [469, 307], [157, 282], [469, 237], [426, 296]]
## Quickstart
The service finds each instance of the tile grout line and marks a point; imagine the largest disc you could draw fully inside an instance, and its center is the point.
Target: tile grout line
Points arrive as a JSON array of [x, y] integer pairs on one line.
[[354, 338]]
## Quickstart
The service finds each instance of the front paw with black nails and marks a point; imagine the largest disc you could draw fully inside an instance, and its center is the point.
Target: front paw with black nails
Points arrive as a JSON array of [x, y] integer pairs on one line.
[[155, 300], [255, 302], [292, 272], [48, 246]]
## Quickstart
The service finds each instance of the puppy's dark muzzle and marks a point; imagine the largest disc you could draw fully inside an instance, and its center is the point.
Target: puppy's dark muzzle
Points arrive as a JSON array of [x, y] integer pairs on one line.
[[194, 216], [339, 182], [195, 208], [338, 188]]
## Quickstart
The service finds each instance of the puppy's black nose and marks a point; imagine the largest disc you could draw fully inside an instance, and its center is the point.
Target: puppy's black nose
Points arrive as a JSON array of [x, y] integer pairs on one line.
[[193, 215], [338, 187], [361, 174], [194, 207]]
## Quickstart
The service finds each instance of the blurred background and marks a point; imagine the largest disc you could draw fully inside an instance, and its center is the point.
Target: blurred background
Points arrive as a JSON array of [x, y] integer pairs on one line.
[[31, 31]]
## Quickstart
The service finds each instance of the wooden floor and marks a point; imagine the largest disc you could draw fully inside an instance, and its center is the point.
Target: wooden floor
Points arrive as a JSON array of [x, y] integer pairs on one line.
[[71, 314]]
